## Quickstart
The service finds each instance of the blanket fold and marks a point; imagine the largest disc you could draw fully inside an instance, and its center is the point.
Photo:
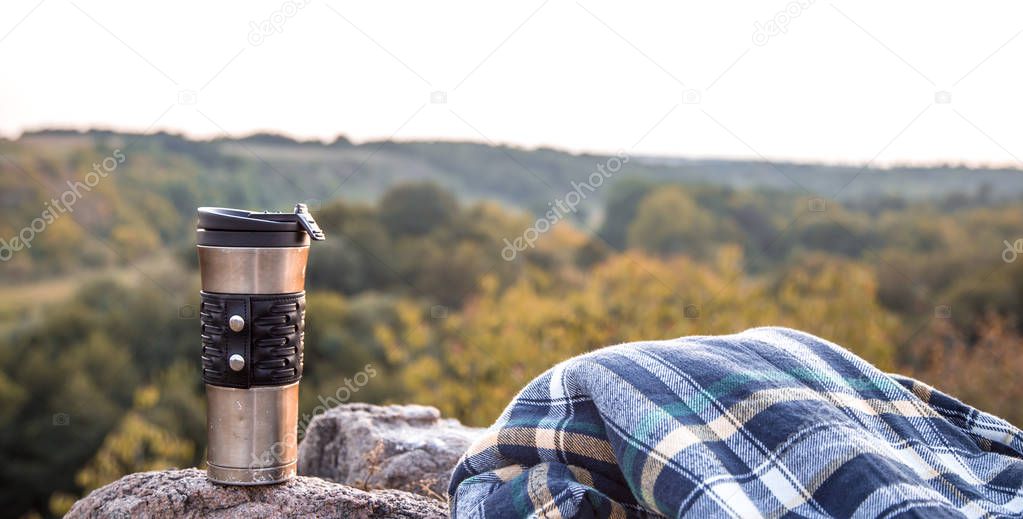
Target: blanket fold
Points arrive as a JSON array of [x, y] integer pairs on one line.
[[770, 422]]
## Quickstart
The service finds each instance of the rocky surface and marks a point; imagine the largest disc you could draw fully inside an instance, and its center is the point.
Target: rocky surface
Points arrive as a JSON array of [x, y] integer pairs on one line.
[[407, 447], [187, 493]]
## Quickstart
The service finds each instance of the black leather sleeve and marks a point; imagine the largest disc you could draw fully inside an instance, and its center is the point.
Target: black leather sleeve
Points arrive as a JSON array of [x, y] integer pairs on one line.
[[270, 342]]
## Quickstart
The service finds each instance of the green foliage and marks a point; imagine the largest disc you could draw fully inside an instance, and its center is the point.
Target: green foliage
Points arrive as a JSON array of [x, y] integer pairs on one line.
[[669, 221], [135, 445], [622, 204], [149, 200], [416, 209], [99, 371], [505, 338]]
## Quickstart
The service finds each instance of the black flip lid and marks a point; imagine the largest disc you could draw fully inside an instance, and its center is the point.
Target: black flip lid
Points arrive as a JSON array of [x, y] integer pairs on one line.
[[223, 227]]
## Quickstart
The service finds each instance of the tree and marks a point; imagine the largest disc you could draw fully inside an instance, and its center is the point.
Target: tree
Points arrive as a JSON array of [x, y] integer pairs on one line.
[[837, 299], [417, 208], [504, 338], [670, 222], [949, 360], [622, 205], [135, 445]]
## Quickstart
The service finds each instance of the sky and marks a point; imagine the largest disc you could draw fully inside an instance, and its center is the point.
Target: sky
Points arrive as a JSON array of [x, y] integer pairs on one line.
[[805, 80]]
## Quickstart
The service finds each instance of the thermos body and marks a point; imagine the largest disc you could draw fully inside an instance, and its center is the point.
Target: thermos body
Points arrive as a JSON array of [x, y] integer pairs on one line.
[[252, 314]]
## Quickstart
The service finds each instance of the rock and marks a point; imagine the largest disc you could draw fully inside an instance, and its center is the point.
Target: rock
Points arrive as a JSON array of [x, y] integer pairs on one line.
[[407, 447], [187, 493]]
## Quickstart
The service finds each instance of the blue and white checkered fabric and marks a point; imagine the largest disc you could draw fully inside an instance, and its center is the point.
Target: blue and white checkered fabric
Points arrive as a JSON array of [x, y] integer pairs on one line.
[[767, 423]]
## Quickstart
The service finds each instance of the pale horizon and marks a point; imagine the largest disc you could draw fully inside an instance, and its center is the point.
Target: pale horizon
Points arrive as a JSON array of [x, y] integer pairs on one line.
[[845, 83]]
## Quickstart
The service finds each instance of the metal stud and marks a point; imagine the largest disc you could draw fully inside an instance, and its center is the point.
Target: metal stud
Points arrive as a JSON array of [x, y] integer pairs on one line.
[[236, 323]]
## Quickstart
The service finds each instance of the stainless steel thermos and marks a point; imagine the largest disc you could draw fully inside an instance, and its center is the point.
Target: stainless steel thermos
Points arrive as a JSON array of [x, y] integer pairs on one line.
[[252, 266]]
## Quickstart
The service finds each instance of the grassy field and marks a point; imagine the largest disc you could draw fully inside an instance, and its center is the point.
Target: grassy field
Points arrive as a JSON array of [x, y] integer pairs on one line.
[[21, 300]]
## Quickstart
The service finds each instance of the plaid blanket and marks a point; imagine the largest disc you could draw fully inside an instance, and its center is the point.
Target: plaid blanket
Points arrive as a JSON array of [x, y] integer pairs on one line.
[[770, 422]]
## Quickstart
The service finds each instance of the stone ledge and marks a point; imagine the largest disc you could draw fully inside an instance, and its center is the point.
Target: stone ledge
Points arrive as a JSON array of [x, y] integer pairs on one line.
[[187, 493]]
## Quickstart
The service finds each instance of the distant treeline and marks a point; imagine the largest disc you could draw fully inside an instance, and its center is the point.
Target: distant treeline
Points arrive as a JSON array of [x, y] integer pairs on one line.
[[150, 199]]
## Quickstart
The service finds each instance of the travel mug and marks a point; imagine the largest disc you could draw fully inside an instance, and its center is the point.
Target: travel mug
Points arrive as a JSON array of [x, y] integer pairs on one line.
[[252, 266]]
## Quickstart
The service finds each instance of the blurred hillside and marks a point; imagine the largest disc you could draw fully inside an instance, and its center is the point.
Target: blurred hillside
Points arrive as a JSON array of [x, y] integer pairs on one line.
[[450, 269], [163, 177]]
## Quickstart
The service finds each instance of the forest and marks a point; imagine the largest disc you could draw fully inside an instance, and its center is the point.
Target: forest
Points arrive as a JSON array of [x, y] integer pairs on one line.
[[913, 268]]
